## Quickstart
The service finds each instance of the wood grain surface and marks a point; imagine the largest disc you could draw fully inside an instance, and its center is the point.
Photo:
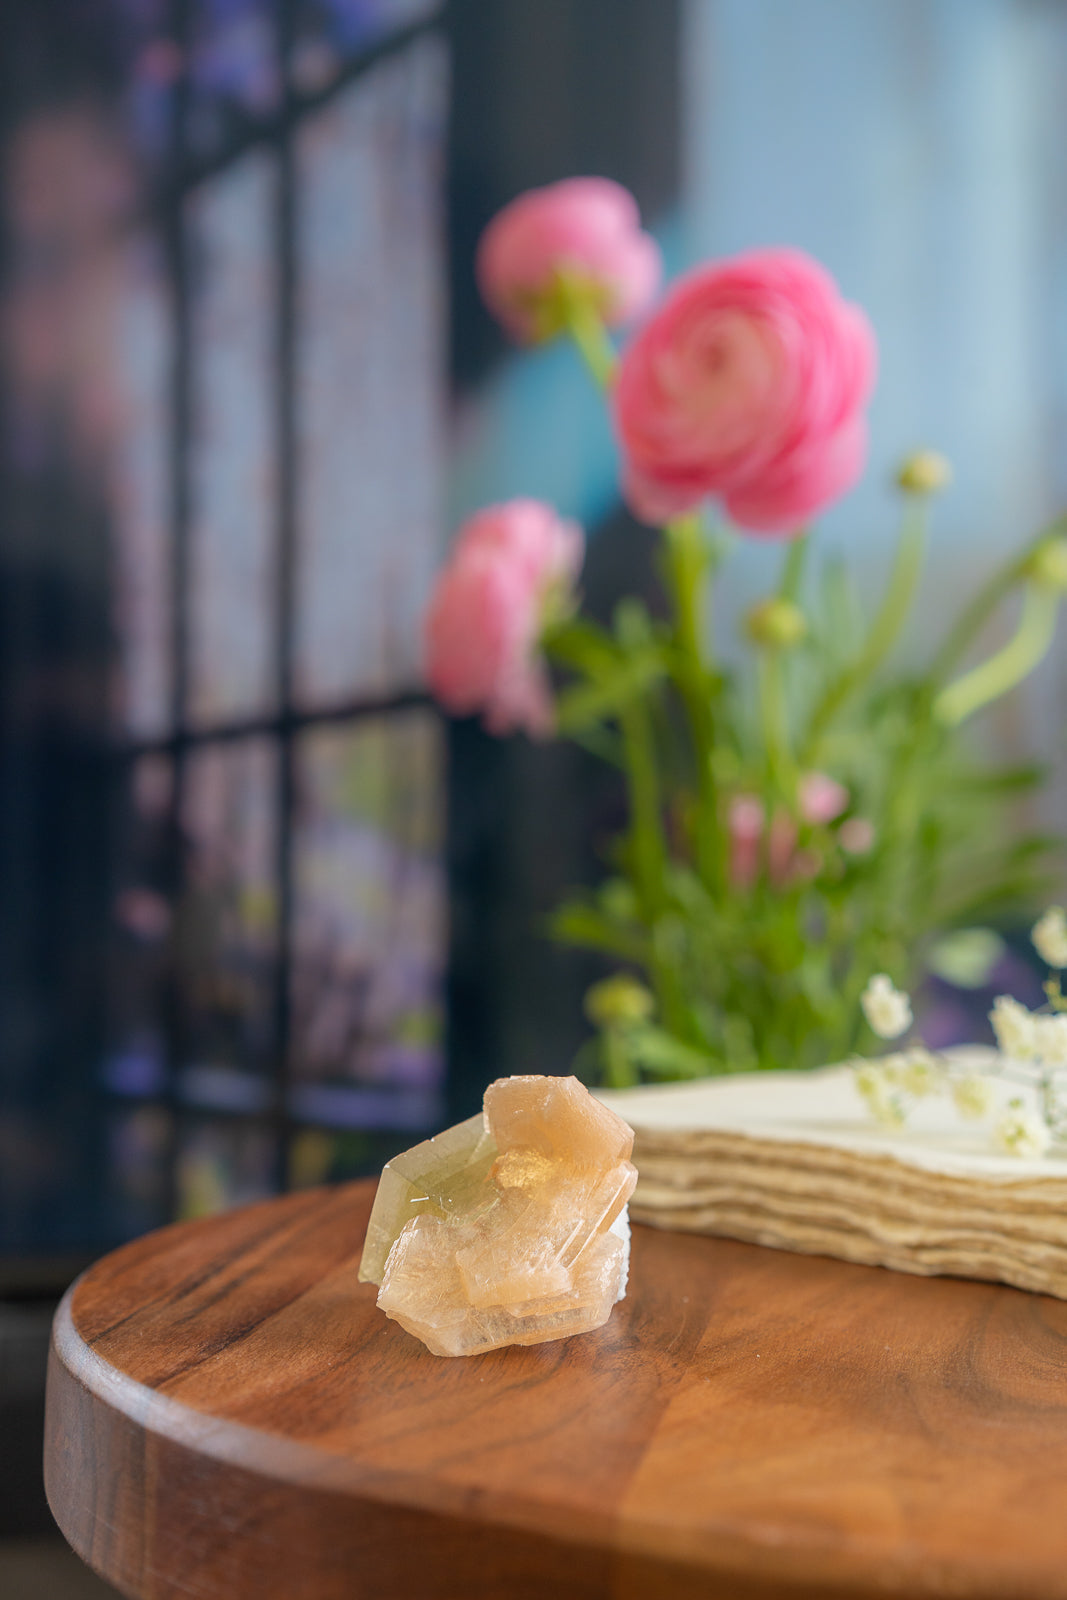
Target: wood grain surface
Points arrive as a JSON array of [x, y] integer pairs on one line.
[[230, 1416]]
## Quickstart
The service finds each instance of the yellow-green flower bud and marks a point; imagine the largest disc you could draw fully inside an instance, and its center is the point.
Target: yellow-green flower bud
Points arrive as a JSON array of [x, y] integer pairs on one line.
[[618, 1002], [776, 624], [924, 472], [1048, 564]]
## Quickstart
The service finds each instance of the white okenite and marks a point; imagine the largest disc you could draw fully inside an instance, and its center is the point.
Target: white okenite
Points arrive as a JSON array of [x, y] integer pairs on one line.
[[887, 1008], [1049, 934]]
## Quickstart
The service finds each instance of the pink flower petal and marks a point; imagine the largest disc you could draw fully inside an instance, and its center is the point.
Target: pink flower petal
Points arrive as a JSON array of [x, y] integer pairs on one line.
[[588, 227], [747, 384], [483, 622], [821, 798]]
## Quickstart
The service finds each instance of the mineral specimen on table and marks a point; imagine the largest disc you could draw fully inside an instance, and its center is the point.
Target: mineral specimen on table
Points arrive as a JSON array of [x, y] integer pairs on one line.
[[510, 1228]]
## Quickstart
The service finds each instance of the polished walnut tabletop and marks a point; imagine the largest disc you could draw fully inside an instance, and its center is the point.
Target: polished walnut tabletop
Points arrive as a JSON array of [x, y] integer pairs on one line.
[[230, 1416]]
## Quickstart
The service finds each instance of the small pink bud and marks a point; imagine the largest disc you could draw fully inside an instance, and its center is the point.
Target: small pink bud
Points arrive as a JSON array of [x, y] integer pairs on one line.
[[821, 798], [857, 836], [585, 231]]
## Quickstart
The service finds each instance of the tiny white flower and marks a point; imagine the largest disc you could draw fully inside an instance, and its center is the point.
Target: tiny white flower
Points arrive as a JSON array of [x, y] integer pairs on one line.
[[887, 1008], [875, 1086], [972, 1096], [1049, 934], [891, 1069], [1050, 1039], [919, 1073], [1014, 1027], [1021, 1133]]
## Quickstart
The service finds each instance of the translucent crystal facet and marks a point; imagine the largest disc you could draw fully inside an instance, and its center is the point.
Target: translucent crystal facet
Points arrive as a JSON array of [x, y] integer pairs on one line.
[[510, 1228]]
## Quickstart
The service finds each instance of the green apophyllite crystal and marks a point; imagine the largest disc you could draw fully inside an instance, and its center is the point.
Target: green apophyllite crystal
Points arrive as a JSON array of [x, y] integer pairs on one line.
[[444, 1176]]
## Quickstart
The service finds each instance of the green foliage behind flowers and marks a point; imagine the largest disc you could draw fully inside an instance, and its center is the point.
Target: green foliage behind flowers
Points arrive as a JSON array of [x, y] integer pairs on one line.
[[754, 919]]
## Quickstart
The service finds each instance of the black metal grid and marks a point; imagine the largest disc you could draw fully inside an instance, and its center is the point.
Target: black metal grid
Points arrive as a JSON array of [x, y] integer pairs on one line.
[[184, 174]]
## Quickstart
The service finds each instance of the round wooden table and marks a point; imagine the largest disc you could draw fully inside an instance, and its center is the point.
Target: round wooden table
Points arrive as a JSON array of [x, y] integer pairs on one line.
[[230, 1417]]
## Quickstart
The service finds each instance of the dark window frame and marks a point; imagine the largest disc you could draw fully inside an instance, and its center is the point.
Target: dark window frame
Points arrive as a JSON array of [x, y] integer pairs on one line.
[[282, 727]]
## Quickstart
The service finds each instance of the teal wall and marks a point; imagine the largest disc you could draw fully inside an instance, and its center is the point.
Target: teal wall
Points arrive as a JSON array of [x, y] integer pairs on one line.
[[919, 149]]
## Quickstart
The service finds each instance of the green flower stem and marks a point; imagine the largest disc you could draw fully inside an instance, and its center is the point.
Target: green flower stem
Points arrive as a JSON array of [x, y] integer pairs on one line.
[[774, 723], [688, 561], [649, 855], [619, 1070], [885, 629], [647, 844], [686, 566], [793, 567], [586, 327], [770, 669], [1009, 666], [987, 600], [903, 910]]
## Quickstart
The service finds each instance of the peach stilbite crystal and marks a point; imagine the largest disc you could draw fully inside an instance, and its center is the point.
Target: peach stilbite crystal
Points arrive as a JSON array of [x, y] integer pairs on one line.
[[510, 1228]]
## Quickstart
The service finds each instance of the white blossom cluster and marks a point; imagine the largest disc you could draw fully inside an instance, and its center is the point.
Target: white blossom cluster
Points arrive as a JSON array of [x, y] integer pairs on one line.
[[890, 1086], [1049, 934], [1033, 1048], [887, 1008], [1020, 1132], [1029, 1035]]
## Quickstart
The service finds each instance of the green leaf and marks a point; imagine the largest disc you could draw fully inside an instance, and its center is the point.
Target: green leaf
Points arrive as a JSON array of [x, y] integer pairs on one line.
[[602, 743], [633, 625], [583, 645], [840, 614], [1014, 780], [618, 899], [581, 924], [581, 707], [660, 1054]]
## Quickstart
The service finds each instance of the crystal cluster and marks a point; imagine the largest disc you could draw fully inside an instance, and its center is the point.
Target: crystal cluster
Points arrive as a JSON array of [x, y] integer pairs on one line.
[[511, 1228]]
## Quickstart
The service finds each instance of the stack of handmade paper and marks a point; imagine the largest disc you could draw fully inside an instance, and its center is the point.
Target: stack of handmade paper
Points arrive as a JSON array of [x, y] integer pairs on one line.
[[793, 1160]]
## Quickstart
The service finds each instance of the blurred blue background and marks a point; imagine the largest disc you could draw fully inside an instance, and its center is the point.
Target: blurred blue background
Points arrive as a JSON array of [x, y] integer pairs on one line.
[[264, 919]]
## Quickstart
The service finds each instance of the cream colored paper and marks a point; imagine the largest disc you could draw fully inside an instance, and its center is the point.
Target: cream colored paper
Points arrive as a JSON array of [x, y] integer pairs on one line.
[[794, 1161]]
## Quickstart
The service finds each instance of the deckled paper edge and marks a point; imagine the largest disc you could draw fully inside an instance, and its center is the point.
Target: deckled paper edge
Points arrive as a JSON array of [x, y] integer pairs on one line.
[[706, 1109]]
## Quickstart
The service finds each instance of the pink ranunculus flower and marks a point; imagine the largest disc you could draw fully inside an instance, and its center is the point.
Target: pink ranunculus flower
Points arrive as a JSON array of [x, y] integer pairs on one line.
[[586, 228], [748, 384], [544, 547], [511, 564]]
